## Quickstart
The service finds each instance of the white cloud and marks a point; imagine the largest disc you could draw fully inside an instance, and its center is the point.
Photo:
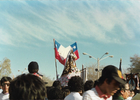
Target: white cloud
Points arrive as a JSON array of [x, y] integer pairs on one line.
[[66, 22], [5, 38], [107, 19]]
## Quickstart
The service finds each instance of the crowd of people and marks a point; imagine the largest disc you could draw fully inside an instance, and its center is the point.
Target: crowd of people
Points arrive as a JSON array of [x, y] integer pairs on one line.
[[110, 86]]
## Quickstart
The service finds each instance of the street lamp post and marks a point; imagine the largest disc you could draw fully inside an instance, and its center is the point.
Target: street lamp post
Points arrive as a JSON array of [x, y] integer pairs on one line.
[[98, 66], [98, 60]]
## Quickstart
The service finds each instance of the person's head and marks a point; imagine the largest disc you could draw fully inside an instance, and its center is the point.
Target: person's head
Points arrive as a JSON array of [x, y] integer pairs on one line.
[[132, 93], [111, 79], [27, 87], [33, 67], [47, 90], [124, 91], [5, 83], [57, 84], [55, 94], [88, 85], [75, 84], [65, 91]]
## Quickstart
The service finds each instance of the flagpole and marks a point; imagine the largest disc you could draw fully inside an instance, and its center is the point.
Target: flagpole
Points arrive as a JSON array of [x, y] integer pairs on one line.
[[120, 68], [55, 60]]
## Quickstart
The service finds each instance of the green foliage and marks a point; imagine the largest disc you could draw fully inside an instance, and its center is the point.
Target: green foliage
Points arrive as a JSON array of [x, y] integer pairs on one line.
[[135, 63], [5, 68]]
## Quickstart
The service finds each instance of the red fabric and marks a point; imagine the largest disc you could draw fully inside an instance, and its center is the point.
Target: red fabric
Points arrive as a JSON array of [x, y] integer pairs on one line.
[[35, 74], [57, 56], [77, 54]]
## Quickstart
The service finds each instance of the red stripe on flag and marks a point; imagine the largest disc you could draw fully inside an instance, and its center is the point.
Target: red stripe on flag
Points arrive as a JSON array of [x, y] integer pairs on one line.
[[57, 56], [77, 54]]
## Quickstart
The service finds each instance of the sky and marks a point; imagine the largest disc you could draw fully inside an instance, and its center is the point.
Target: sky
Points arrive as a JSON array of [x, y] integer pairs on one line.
[[27, 30]]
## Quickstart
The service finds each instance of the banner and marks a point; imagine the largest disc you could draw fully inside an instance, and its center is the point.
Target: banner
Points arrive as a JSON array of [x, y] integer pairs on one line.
[[61, 53]]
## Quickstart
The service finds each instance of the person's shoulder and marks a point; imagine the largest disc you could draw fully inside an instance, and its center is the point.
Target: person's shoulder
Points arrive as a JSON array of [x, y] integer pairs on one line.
[[90, 94], [77, 96], [73, 95], [67, 97], [91, 91]]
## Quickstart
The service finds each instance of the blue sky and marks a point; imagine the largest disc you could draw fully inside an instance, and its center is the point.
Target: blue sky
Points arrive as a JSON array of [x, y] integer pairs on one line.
[[27, 30]]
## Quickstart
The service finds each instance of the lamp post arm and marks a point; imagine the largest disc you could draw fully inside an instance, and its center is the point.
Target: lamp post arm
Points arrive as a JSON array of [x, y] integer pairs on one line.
[[101, 57], [89, 55], [104, 58], [93, 57]]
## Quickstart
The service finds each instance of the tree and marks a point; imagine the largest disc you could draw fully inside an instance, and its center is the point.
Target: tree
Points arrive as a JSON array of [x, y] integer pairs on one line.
[[48, 80], [125, 71], [5, 68], [135, 63], [91, 73]]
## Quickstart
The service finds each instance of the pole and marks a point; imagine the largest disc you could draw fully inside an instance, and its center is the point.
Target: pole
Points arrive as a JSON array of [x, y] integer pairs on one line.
[[55, 60], [120, 68], [98, 66], [98, 61], [83, 73]]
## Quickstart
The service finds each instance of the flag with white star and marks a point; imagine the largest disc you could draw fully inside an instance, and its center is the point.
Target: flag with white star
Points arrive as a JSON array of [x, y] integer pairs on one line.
[[61, 53]]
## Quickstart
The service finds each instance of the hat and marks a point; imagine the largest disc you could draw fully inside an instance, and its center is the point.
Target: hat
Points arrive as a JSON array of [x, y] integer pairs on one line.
[[114, 72], [33, 65]]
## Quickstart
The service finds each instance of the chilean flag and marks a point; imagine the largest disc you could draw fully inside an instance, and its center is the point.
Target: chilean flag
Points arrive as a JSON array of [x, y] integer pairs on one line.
[[61, 53]]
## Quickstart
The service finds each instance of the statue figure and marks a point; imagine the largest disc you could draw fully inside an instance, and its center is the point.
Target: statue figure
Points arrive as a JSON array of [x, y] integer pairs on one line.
[[70, 65], [70, 69]]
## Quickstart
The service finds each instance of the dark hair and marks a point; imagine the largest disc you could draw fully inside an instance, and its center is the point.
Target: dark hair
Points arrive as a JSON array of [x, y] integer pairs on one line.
[[102, 79], [65, 91], [47, 90], [57, 84], [33, 70], [88, 85], [55, 94], [33, 67], [27, 87], [109, 80], [75, 84], [5, 78]]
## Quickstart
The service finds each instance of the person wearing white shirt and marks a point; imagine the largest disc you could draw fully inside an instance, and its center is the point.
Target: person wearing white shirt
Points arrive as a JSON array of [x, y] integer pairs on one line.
[[76, 86], [106, 86], [73, 96], [5, 82]]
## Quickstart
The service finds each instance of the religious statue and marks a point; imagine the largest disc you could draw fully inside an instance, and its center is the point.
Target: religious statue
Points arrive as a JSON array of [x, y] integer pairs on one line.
[[70, 65], [70, 69]]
